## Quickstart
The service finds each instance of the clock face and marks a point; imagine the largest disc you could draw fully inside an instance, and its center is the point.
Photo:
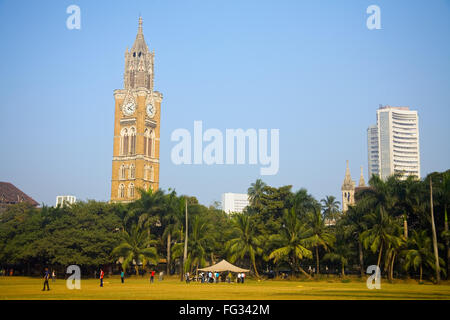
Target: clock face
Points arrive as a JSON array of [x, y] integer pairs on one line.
[[150, 110], [129, 108]]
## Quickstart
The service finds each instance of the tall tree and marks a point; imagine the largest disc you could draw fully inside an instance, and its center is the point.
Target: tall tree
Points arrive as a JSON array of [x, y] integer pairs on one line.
[[321, 235], [443, 194], [172, 217], [136, 246], [330, 207], [342, 252], [433, 229], [147, 210], [291, 242], [247, 243], [354, 224], [198, 242], [303, 202], [255, 192], [419, 252], [382, 232]]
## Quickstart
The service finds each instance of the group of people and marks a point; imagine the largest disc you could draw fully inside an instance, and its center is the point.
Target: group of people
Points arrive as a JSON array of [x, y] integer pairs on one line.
[[122, 276], [207, 277], [210, 277], [5, 272]]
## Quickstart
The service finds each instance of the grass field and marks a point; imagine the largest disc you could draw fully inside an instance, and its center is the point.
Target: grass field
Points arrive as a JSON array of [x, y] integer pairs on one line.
[[140, 288]]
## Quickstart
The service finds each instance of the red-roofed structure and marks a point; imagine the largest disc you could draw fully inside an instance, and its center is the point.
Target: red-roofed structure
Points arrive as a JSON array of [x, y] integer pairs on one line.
[[10, 194]]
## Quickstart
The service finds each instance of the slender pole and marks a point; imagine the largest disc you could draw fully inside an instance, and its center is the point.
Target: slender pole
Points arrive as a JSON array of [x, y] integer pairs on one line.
[[436, 254], [185, 239]]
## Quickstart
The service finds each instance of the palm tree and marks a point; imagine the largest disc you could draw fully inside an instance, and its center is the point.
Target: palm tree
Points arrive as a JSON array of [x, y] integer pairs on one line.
[[393, 249], [409, 201], [382, 232], [354, 223], [420, 252], [443, 191], [198, 241], [291, 242], [172, 217], [255, 193], [177, 250], [321, 236], [247, 243], [148, 209], [330, 207], [303, 202], [342, 251], [135, 246]]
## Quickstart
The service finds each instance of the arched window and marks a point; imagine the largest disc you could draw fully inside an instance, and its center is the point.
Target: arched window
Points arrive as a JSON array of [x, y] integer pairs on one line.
[[133, 141], [124, 142], [146, 172], [131, 190], [132, 173], [122, 170], [121, 191], [151, 144], [152, 173], [146, 136]]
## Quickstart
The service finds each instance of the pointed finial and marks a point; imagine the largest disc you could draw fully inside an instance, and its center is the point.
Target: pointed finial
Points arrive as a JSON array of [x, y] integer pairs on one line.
[[140, 25], [362, 183]]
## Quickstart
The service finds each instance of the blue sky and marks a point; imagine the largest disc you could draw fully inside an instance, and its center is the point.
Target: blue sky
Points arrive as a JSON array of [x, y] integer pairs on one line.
[[309, 68]]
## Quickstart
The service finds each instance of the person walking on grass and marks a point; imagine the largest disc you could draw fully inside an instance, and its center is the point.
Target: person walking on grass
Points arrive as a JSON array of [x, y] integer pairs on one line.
[[46, 277], [122, 276], [53, 276], [101, 277], [243, 277], [152, 276]]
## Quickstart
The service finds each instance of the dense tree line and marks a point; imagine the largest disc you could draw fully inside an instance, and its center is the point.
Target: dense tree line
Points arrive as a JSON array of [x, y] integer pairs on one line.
[[280, 231]]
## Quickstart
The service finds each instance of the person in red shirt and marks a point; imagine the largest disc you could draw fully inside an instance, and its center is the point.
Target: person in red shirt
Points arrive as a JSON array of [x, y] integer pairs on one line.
[[152, 276], [101, 277]]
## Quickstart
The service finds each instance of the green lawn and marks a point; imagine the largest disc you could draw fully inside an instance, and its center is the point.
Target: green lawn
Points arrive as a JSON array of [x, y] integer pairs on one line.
[[140, 288]]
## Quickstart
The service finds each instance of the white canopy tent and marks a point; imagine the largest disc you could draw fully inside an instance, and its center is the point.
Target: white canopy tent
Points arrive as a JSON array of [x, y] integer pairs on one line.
[[223, 266]]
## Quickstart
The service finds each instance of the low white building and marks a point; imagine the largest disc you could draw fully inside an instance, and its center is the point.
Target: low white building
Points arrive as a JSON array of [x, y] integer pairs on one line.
[[234, 202], [61, 200]]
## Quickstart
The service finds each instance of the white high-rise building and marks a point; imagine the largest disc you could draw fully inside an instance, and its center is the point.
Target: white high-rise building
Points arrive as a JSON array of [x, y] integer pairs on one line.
[[62, 200], [372, 150], [234, 202], [398, 143]]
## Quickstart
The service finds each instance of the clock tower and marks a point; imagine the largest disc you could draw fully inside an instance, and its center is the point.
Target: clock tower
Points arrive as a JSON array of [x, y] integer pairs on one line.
[[137, 118]]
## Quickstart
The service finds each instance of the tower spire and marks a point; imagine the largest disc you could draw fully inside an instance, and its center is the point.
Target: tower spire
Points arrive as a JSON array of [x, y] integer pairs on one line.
[[347, 170], [140, 25], [362, 183], [348, 182]]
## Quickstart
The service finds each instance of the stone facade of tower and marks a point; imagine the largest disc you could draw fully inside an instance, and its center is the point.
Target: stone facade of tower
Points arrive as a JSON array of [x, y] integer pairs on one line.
[[137, 118], [348, 188]]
